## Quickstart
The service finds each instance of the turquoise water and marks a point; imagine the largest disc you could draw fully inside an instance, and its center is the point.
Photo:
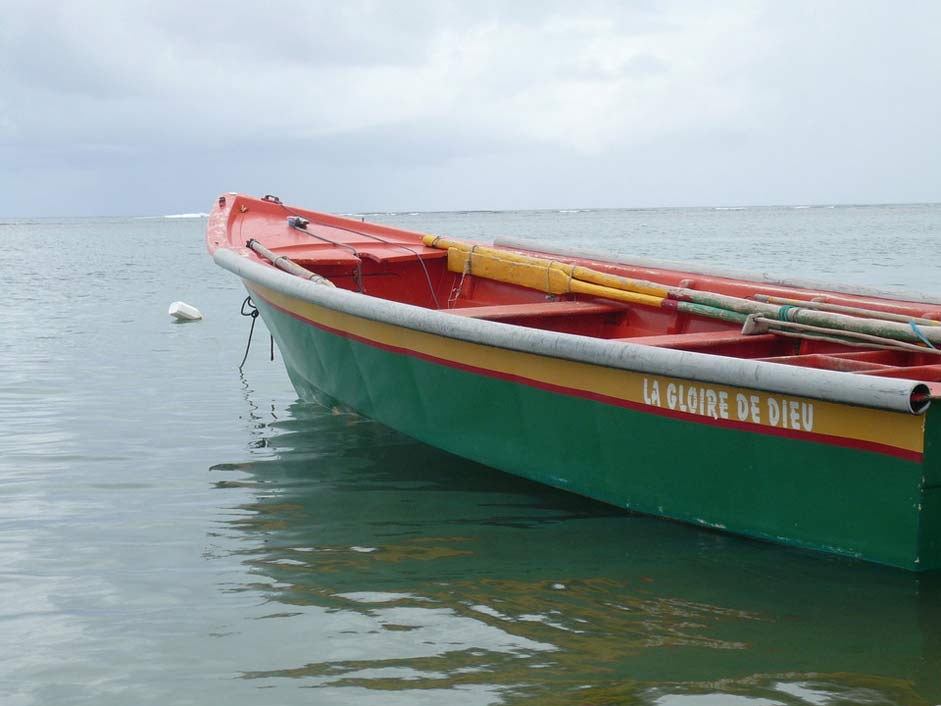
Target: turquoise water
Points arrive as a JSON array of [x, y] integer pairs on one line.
[[175, 532]]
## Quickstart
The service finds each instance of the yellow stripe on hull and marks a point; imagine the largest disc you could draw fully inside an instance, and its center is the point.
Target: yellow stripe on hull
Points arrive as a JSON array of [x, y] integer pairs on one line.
[[697, 401]]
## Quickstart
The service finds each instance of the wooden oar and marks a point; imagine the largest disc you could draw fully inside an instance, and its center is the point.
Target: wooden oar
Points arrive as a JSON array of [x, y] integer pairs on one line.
[[287, 264], [556, 277], [850, 310]]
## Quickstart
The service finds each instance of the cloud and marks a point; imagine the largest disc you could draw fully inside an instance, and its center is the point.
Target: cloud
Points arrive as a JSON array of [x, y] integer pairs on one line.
[[110, 92], [138, 72]]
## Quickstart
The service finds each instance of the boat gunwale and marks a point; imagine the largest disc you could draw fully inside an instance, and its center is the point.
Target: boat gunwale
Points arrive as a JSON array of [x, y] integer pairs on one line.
[[893, 394]]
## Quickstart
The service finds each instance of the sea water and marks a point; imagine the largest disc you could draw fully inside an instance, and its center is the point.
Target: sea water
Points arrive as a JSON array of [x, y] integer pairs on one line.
[[173, 531]]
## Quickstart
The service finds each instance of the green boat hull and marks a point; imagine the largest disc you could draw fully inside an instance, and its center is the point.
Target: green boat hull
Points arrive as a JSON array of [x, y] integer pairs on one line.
[[799, 492]]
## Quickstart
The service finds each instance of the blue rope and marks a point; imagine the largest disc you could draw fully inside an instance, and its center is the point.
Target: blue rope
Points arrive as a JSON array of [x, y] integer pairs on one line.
[[783, 312], [920, 334]]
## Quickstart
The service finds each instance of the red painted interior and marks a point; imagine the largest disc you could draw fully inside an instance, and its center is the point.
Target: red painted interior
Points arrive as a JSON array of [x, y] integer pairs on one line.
[[394, 264]]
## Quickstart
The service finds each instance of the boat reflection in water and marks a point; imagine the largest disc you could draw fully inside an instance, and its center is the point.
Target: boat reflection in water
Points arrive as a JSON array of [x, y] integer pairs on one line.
[[394, 572]]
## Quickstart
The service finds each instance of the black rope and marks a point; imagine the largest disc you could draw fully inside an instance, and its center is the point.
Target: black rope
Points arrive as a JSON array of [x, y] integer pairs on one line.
[[421, 261], [295, 224], [253, 313]]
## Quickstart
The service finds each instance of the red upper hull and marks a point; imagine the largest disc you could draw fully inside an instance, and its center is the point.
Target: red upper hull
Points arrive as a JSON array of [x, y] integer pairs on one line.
[[395, 264]]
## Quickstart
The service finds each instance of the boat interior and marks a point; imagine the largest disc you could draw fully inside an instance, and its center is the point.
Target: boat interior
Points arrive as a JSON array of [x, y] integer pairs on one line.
[[398, 265]]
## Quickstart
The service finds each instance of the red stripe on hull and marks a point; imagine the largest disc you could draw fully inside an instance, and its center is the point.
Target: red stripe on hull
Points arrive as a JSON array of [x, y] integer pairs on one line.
[[871, 446]]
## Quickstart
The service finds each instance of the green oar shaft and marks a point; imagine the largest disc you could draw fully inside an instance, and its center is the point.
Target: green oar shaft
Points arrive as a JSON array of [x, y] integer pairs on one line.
[[713, 302]]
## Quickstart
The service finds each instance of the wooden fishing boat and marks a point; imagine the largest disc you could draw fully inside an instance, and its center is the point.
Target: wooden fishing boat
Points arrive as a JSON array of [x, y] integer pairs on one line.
[[795, 414]]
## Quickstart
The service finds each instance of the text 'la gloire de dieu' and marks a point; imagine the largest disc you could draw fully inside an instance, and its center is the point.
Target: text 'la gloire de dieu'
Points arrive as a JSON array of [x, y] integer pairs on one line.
[[756, 408]]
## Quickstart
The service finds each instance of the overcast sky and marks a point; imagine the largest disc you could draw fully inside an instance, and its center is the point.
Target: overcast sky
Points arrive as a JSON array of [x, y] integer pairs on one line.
[[131, 108]]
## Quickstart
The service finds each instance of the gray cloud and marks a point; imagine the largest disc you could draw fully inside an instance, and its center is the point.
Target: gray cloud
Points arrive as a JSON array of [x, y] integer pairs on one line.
[[146, 107]]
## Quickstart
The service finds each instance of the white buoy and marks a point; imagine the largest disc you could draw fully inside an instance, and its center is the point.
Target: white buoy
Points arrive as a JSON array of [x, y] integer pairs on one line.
[[181, 311]]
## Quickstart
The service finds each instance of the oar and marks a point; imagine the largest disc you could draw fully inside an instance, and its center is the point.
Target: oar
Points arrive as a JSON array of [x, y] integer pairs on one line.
[[850, 310], [571, 274], [288, 265]]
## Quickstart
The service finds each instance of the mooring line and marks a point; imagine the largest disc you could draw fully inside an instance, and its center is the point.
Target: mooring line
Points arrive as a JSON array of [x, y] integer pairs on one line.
[[253, 313]]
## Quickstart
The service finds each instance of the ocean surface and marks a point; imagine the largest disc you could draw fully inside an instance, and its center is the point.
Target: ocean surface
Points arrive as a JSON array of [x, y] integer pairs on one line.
[[173, 531]]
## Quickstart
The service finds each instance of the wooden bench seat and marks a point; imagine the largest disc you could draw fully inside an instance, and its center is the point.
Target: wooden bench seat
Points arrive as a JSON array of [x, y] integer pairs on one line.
[[925, 373], [498, 312], [827, 362], [392, 252], [698, 341], [316, 252]]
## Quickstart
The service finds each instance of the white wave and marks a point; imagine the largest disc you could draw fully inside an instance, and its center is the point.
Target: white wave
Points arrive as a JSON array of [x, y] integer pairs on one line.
[[187, 215], [378, 596], [729, 208], [569, 210], [801, 207]]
